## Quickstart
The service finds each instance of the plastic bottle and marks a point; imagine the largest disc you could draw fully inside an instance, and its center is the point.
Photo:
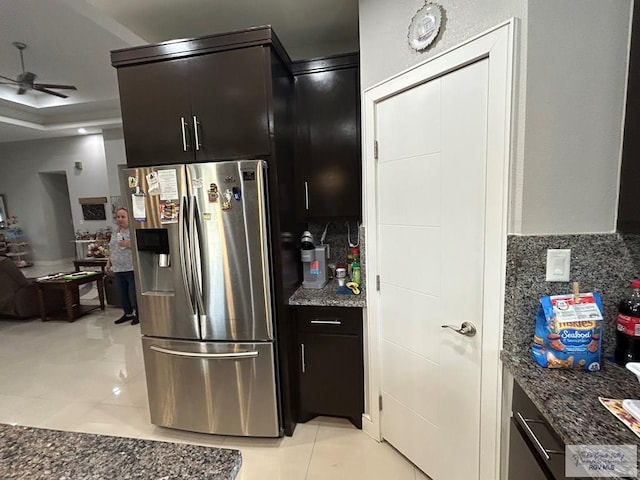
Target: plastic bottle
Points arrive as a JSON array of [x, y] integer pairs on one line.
[[628, 327], [352, 256], [355, 272]]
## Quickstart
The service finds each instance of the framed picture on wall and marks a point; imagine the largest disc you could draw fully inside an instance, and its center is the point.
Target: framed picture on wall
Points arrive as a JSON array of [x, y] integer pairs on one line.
[[93, 211], [93, 208]]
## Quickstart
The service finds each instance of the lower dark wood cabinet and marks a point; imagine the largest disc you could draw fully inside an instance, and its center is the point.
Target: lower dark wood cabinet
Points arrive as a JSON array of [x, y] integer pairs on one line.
[[535, 450], [330, 363]]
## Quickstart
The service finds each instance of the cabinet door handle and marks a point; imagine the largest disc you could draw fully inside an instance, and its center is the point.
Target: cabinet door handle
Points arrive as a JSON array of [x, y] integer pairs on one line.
[[306, 195], [196, 124], [304, 366], [326, 322], [524, 422], [183, 124]]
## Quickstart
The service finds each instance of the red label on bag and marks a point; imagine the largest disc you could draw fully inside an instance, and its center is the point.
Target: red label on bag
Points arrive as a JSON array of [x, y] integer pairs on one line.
[[629, 325]]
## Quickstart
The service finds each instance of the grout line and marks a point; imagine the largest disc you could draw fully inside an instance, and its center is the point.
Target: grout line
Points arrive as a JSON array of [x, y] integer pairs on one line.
[[313, 449]]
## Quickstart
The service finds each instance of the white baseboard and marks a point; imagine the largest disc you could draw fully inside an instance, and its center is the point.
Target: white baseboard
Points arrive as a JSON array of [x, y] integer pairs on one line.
[[370, 428]]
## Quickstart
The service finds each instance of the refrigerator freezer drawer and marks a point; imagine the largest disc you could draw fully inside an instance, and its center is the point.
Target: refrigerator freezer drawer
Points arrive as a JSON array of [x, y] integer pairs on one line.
[[221, 388]]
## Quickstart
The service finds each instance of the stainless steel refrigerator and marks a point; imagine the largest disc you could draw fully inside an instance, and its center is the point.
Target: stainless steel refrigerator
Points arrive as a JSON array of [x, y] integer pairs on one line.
[[202, 268]]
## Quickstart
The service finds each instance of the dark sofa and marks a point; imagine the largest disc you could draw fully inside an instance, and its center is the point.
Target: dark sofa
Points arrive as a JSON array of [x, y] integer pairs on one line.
[[19, 295]]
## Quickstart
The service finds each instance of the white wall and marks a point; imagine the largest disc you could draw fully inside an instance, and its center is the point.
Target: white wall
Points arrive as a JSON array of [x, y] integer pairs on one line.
[[58, 221], [384, 25], [115, 156], [570, 66], [20, 163], [576, 78]]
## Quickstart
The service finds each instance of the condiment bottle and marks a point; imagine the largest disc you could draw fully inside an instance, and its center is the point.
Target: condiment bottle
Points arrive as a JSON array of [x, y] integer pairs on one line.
[[355, 272], [352, 256]]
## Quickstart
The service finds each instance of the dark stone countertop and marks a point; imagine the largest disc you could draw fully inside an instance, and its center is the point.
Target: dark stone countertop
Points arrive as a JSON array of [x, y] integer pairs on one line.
[[327, 297], [39, 454], [568, 399]]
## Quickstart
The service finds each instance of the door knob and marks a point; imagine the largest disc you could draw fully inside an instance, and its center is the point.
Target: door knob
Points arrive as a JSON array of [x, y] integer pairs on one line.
[[467, 328]]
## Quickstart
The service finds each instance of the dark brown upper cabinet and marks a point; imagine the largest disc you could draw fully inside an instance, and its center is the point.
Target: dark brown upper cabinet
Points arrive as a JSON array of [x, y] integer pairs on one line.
[[197, 100], [327, 138]]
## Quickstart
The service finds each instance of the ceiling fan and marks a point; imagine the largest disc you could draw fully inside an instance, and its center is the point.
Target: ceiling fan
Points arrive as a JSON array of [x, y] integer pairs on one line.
[[25, 80]]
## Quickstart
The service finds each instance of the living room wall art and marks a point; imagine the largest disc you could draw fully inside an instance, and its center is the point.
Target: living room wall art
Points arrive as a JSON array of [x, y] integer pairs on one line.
[[93, 208]]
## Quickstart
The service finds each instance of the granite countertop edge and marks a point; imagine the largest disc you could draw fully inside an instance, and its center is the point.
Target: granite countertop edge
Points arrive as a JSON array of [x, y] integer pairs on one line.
[[39, 453], [327, 297], [568, 399]]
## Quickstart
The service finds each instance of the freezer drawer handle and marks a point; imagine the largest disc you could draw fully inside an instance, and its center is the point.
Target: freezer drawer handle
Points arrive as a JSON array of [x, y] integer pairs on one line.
[[524, 422], [230, 355], [326, 322]]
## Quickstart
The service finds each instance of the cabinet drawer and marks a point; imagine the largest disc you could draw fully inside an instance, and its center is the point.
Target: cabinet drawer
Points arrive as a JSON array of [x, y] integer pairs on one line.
[[543, 442], [332, 320]]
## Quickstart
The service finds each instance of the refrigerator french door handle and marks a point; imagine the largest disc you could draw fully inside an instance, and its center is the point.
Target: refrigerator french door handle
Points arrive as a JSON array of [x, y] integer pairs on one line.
[[184, 262], [218, 356], [195, 230]]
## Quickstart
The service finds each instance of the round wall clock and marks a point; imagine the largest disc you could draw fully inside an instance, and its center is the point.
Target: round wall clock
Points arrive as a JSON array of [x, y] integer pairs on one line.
[[425, 26]]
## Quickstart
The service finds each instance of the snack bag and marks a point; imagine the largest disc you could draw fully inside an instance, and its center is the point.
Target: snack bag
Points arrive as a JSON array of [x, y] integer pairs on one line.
[[569, 334]]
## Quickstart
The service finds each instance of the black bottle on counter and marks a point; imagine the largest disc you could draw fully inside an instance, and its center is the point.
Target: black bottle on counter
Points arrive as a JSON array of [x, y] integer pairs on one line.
[[628, 327]]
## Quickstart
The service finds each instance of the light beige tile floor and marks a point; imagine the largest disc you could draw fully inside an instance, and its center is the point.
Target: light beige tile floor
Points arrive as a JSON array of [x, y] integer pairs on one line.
[[88, 376]]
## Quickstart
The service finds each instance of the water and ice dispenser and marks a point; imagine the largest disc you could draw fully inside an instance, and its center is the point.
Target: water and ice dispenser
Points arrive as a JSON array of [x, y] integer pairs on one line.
[[154, 260], [314, 263]]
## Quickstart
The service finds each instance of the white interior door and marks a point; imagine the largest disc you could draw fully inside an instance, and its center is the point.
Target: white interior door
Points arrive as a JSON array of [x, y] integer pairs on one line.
[[431, 181], [439, 189]]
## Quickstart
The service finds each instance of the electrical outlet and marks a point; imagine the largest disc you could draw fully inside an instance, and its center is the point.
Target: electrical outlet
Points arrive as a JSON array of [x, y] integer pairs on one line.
[[558, 265]]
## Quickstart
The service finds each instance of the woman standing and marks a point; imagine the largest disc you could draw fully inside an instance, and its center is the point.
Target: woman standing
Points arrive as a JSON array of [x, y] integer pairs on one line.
[[121, 264]]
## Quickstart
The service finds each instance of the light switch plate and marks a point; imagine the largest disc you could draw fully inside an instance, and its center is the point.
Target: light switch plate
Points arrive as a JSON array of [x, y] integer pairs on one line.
[[558, 265]]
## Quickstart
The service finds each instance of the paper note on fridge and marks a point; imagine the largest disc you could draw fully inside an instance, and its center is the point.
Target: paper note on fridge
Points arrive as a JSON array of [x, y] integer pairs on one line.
[[139, 209], [168, 181]]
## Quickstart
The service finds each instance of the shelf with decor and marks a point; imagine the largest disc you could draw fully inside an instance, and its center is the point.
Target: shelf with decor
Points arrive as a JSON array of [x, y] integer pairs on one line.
[[20, 253], [92, 248]]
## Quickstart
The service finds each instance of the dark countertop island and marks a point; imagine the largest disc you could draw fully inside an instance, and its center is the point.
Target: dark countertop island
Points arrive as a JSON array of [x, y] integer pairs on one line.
[[39, 454]]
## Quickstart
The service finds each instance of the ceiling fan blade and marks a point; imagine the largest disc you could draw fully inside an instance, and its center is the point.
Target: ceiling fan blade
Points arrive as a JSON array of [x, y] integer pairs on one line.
[[53, 85], [50, 92], [10, 79]]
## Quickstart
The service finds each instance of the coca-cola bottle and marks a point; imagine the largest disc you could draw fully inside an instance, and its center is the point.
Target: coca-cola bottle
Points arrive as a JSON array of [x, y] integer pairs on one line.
[[628, 327]]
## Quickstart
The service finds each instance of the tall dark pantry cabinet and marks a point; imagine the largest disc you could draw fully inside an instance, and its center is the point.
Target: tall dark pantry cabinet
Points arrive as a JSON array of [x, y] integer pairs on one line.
[[217, 98]]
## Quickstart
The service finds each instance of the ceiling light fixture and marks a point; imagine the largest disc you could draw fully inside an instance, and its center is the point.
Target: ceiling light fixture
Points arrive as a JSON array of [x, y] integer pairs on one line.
[[83, 131]]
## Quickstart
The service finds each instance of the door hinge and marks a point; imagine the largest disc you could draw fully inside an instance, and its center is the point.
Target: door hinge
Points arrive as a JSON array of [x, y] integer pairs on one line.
[[375, 149], [378, 283], [380, 402]]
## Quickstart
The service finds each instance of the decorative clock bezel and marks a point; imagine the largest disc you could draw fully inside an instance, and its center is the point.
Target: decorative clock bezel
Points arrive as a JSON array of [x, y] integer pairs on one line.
[[425, 26]]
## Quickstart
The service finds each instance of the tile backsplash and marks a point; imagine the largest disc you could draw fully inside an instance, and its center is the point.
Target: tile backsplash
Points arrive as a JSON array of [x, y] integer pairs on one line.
[[338, 236], [603, 263]]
